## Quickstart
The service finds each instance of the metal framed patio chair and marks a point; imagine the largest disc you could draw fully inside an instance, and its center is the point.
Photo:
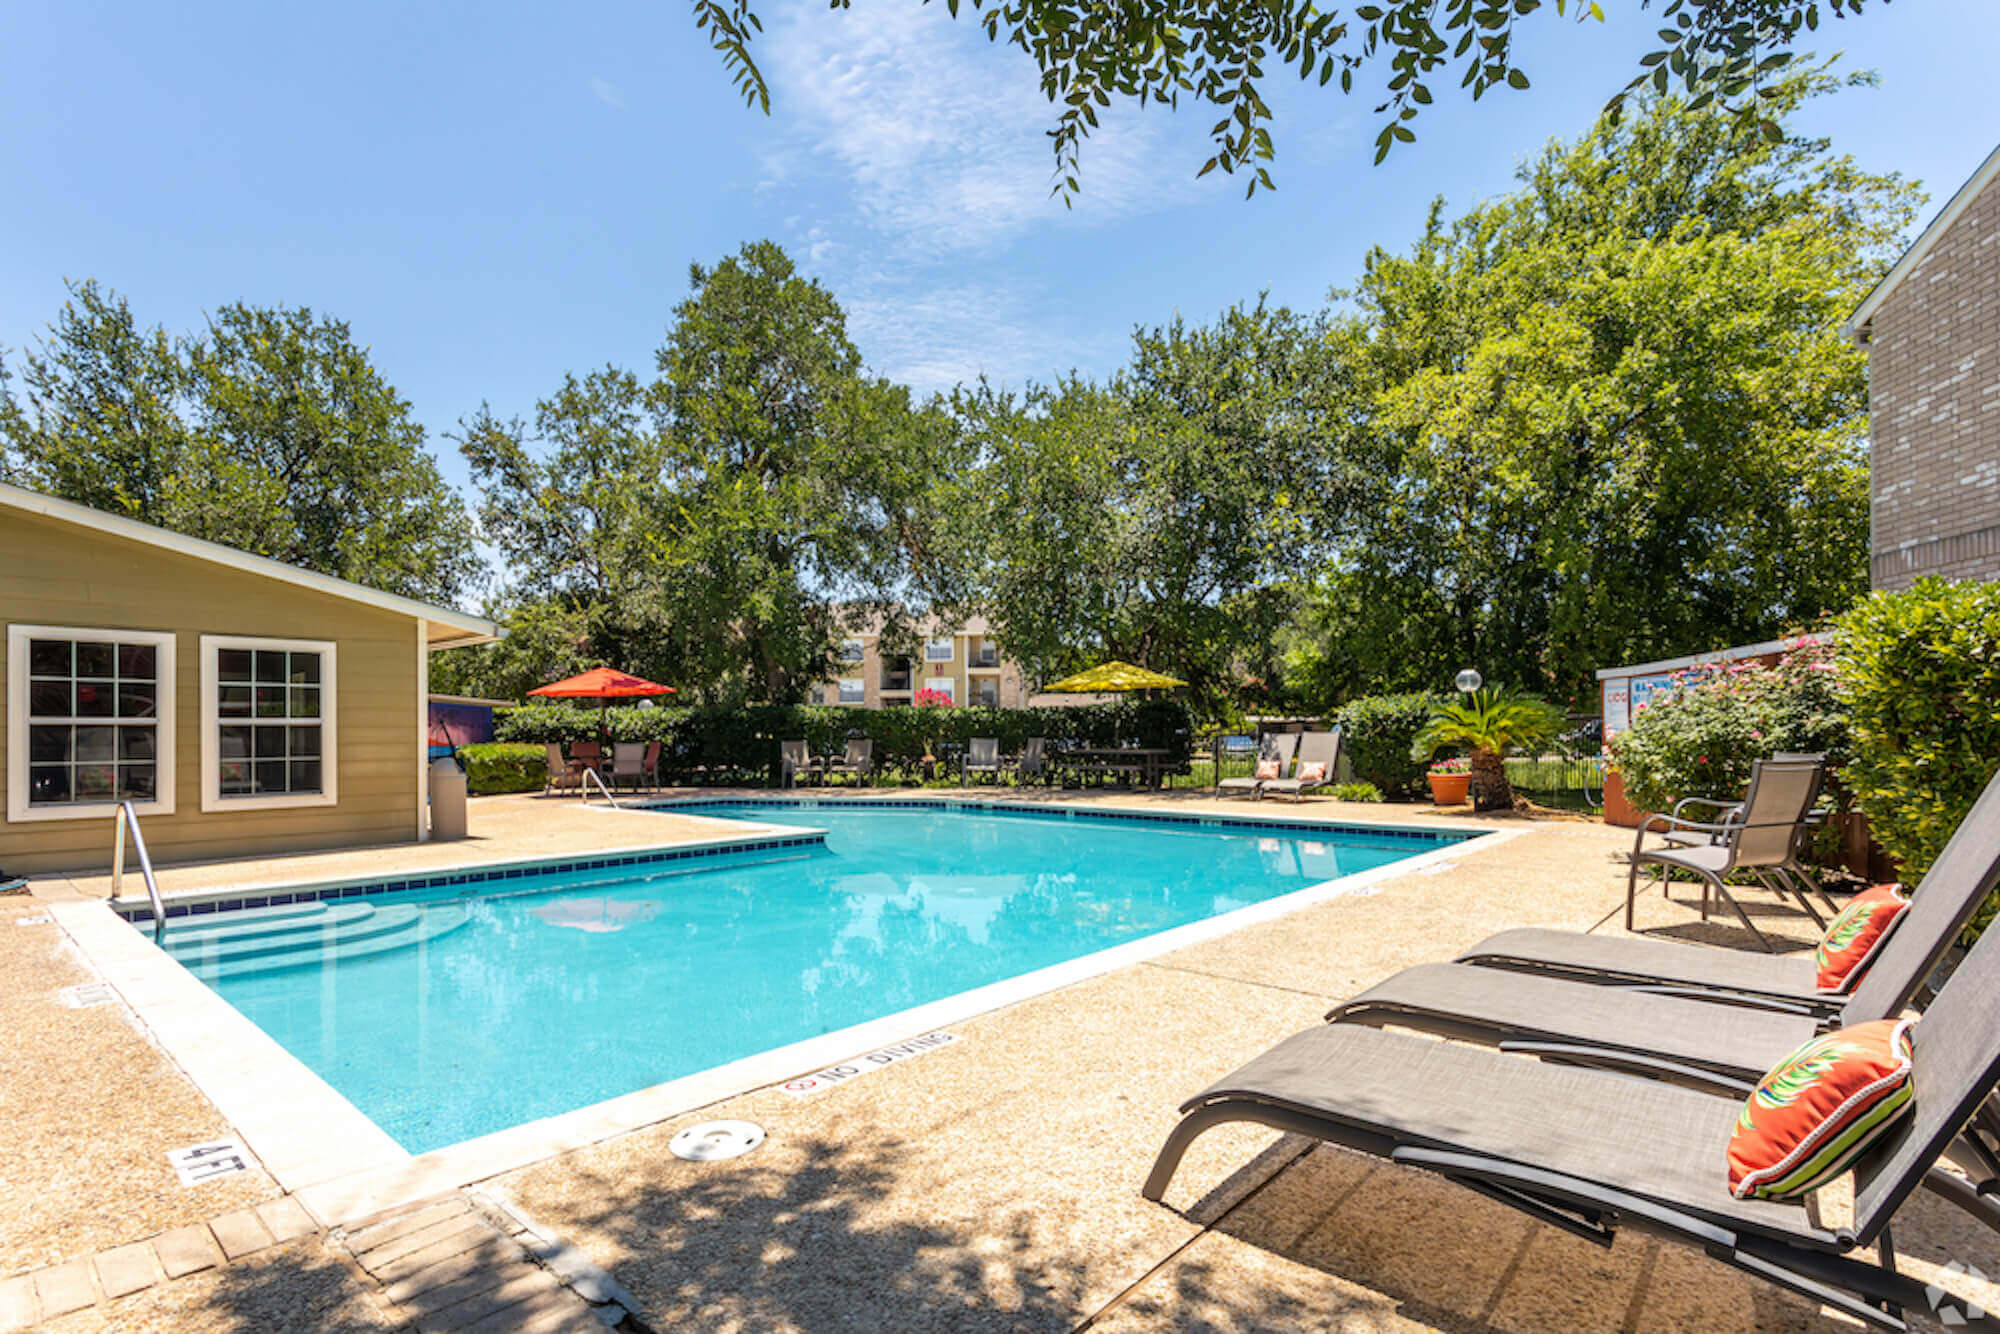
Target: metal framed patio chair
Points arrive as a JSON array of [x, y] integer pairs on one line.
[[982, 756], [1764, 839], [1033, 761], [1592, 1151], [628, 763], [793, 760], [563, 775], [858, 763], [1272, 748]]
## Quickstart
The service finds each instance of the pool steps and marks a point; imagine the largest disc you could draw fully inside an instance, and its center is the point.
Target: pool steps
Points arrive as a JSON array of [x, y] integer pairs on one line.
[[264, 940]]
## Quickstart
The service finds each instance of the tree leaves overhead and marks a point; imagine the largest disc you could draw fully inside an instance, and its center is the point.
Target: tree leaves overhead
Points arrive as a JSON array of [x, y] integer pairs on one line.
[[1218, 54], [270, 431]]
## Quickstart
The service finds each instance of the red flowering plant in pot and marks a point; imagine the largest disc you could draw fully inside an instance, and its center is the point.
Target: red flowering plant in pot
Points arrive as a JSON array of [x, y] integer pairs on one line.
[[1450, 780], [928, 698]]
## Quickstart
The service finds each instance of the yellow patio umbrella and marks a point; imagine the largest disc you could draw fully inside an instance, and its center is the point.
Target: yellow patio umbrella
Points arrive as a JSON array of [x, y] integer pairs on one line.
[[1112, 676]]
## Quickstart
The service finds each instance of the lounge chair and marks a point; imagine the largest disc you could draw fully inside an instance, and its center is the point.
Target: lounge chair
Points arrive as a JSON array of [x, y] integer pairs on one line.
[[1319, 757], [1764, 839], [982, 756], [563, 775], [1272, 747], [1786, 983], [793, 760], [1591, 1151], [1693, 1041], [628, 762], [858, 763]]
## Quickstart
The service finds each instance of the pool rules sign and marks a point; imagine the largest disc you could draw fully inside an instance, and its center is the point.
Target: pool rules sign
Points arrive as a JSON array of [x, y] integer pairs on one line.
[[819, 1081]]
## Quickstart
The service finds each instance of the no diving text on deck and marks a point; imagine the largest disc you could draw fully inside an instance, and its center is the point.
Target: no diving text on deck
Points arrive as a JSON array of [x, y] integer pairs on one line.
[[807, 1085]]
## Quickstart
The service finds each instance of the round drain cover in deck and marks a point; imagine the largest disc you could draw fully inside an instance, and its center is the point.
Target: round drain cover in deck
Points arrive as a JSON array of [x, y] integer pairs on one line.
[[713, 1141]]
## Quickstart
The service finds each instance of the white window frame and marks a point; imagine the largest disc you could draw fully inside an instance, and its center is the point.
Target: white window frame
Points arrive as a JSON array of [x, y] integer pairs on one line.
[[211, 723], [860, 684], [19, 810], [931, 649], [852, 651]]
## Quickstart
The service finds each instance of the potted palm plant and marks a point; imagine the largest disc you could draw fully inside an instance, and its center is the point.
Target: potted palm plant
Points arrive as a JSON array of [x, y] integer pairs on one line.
[[1492, 721]]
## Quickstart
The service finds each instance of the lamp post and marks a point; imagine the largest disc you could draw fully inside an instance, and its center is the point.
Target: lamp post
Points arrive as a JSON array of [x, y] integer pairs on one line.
[[1469, 680]]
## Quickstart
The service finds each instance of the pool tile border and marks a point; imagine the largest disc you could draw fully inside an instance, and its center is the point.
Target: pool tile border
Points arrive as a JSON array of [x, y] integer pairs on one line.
[[198, 903], [1068, 811]]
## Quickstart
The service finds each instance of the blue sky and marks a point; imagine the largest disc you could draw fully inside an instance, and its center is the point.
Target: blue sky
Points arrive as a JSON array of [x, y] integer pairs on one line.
[[493, 194]]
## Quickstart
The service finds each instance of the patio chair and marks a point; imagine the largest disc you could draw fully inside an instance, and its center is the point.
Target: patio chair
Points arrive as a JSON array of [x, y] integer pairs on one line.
[[1764, 840], [858, 763], [1272, 747], [982, 756], [562, 774], [1591, 1151], [628, 761], [588, 754], [1729, 810], [793, 760], [1319, 757], [651, 764], [1686, 1037], [1033, 761], [1785, 983]]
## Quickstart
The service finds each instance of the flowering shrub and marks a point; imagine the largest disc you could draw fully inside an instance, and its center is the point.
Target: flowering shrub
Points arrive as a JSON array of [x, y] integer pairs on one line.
[[1457, 764], [931, 699], [1700, 738]]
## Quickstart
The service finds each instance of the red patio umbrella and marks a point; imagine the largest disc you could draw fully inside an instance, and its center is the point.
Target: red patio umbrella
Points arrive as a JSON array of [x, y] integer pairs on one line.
[[602, 684]]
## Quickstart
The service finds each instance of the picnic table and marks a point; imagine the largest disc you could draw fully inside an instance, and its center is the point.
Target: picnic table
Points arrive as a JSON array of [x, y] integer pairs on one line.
[[1146, 764]]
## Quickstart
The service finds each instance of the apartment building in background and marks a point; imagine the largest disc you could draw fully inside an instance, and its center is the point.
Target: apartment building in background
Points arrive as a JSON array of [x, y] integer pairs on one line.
[[962, 661]]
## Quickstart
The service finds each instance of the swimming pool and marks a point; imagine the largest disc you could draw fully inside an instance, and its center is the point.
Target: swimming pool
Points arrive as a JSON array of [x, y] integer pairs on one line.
[[455, 1010]]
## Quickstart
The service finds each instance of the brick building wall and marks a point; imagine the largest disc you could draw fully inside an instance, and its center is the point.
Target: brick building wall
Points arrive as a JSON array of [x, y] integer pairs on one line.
[[1934, 405]]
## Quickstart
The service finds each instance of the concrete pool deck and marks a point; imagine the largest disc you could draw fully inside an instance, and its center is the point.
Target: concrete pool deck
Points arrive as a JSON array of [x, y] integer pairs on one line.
[[993, 1183]]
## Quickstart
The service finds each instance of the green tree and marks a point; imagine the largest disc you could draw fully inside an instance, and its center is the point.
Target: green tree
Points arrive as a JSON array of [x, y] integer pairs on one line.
[[1214, 53], [1153, 519], [721, 526], [270, 431], [1612, 416]]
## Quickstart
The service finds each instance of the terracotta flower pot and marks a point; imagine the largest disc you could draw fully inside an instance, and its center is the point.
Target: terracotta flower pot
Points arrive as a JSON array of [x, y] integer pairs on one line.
[[1450, 789]]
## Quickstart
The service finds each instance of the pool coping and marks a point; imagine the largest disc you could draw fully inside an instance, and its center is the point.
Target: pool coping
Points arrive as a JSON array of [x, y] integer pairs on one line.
[[342, 1166]]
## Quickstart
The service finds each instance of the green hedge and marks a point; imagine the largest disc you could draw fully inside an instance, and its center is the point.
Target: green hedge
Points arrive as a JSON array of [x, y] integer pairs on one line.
[[739, 746], [1919, 674], [1376, 734], [494, 766]]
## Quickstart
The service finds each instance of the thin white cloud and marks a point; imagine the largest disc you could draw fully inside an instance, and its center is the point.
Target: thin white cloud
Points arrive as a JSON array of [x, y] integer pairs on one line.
[[939, 137], [910, 148], [608, 93]]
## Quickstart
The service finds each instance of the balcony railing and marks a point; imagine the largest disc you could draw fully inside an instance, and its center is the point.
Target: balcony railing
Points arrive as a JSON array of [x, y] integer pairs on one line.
[[986, 657], [896, 680]]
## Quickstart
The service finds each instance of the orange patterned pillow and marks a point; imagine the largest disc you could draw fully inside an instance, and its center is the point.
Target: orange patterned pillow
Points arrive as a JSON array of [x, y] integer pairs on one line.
[[1269, 769], [1312, 773], [1855, 936], [1819, 1109]]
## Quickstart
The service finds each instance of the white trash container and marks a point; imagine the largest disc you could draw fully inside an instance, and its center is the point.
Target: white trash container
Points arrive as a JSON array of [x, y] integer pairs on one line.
[[447, 799]]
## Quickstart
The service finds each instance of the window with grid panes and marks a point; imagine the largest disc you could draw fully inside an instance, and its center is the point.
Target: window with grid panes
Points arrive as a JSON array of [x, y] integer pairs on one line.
[[93, 713], [268, 717]]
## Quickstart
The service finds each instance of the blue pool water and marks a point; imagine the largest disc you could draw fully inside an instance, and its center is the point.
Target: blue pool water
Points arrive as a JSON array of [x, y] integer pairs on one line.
[[457, 1011]]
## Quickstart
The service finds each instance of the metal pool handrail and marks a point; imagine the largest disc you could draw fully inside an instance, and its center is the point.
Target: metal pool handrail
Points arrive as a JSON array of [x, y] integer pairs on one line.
[[129, 817], [592, 776]]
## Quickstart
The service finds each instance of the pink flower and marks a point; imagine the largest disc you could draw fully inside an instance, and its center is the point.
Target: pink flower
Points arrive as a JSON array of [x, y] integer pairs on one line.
[[1756, 736]]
